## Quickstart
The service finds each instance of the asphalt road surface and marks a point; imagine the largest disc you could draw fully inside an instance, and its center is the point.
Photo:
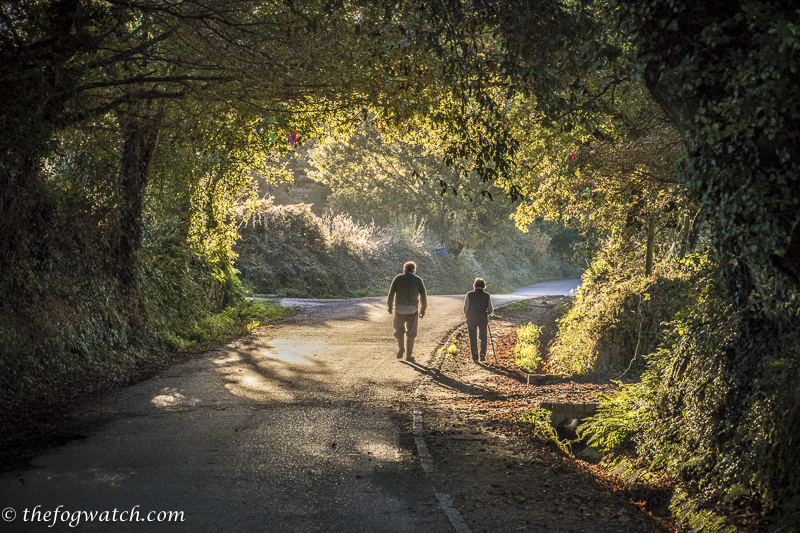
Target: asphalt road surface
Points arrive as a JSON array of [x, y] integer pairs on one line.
[[300, 427]]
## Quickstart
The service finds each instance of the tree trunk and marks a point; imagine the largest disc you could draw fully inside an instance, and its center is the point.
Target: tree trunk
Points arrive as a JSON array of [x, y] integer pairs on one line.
[[138, 150], [651, 238]]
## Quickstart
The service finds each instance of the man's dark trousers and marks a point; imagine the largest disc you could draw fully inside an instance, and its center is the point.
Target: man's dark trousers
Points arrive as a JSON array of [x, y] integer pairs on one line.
[[477, 306], [480, 327]]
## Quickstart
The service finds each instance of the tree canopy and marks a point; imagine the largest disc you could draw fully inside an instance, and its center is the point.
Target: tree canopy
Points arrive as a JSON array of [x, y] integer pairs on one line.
[[130, 129], [372, 177]]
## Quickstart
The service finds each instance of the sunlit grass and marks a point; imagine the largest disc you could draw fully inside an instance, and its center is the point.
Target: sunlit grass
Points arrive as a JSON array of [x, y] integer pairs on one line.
[[233, 321], [527, 349]]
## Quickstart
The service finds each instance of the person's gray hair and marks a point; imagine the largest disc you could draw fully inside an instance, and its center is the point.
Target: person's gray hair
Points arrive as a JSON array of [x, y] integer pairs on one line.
[[410, 266]]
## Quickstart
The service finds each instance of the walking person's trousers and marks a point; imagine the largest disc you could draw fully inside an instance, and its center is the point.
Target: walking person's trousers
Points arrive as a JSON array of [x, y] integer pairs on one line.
[[477, 330], [405, 326]]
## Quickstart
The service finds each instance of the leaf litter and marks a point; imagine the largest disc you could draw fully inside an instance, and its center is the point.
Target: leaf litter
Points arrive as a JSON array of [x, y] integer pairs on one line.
[[501, 477]]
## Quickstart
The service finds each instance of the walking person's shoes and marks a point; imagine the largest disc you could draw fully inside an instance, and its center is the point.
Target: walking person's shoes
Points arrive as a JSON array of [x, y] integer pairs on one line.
[[482, 358], [399, 354]]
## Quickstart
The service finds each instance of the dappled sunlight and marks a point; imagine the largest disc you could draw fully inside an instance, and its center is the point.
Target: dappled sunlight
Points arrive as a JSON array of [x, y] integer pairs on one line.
[[381, 451], [246, 381], [271, 371], [171, 398], [292, 351], [230, 357]]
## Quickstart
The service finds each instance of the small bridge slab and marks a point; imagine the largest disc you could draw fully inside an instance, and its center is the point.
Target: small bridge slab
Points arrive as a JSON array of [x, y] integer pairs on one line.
[[561, 412]]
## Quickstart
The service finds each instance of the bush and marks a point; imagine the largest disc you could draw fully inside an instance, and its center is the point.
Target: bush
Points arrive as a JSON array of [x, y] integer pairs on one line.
[[238, 319], [621, 420], [526, 351]]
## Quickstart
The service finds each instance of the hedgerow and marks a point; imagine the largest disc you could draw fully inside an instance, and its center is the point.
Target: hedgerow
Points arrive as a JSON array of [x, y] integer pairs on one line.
[[618, 316], [289, 251], [716, 404]]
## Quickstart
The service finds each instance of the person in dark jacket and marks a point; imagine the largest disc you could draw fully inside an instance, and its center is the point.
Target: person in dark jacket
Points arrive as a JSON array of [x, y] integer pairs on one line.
[[477, 308], [408, 300]]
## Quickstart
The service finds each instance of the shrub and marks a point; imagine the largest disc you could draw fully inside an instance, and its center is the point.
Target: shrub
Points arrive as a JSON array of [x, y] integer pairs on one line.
[[560, 310], [526, 351], [240, 318], [537, 421], [621, 419]]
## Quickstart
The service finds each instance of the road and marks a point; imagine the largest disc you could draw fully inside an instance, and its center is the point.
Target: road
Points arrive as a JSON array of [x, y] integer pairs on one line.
[[298, 427]]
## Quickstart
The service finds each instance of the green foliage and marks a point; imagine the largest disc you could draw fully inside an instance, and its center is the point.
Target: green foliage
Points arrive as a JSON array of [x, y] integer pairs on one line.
[[537, 421], [526, 351], [605, 176], [617, 316], [721, 84], [241, 318], [725, 431], [723, 75], [695, 518], [560, 310], [373, 177], [71, 312], [289, 251], [750, 406], [133, 132], [620, 419]]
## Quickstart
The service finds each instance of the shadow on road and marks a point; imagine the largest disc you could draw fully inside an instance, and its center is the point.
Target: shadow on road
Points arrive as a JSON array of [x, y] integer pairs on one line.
[[500, 371], [458, 386]]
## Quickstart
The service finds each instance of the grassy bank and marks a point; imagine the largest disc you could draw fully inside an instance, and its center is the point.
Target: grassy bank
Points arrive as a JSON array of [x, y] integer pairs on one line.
[[725, 433], [289, 251]]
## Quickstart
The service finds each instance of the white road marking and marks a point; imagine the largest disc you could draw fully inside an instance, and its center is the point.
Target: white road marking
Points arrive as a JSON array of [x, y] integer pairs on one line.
[[452, 513], [422, 448], [445, 502]]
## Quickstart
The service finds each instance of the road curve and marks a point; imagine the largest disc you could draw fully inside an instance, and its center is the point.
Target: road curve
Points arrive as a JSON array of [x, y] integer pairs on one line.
[[298, 427]]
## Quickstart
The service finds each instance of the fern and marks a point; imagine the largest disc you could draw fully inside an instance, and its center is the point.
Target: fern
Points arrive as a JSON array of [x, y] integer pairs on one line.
[[619, 419]]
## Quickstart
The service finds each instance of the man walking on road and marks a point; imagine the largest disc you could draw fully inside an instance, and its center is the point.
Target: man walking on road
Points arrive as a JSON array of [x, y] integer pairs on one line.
[[406, 293], [477, 308]]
